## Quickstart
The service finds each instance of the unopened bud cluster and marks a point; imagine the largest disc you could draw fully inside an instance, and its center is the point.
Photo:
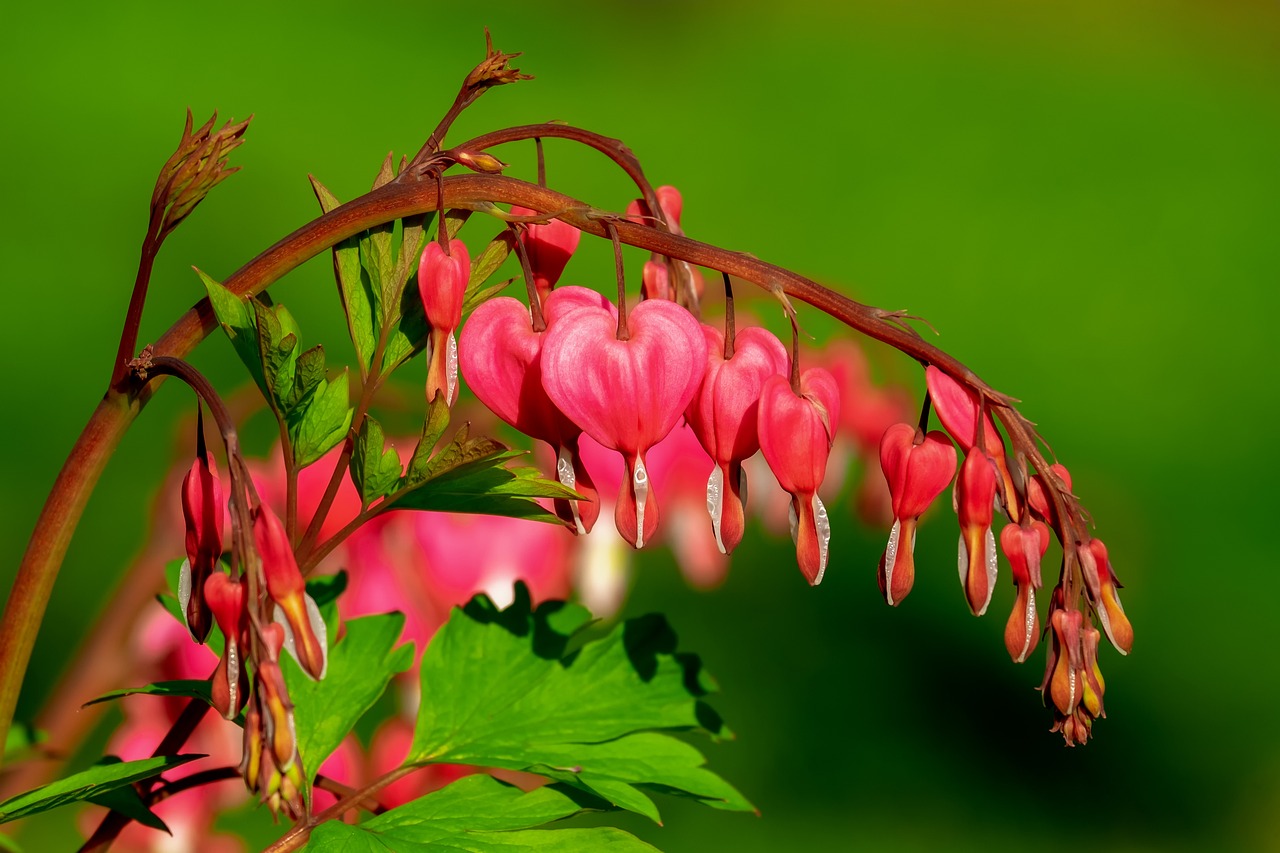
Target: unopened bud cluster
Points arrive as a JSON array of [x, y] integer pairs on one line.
[[260, 609]]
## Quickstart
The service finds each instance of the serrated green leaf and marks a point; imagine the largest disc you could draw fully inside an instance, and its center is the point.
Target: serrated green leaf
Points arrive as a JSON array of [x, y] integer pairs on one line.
[[375, 471], [386, 172], [278, 350], [490, 258], [88, 783], [318, 426], [499, 691], [188, 687], [454, 220], [471, 475], [476, 296], [478, 813], [360, 666], [408, 335], [379, 268], [357, 302], [310, 372], [433, 427], [236, 318]]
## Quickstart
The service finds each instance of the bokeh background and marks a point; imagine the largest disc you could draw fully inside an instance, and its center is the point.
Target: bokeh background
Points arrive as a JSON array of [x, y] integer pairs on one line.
[[1083, 198]]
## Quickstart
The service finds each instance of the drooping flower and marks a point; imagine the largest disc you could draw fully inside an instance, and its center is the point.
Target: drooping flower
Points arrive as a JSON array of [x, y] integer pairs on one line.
[[1073, 681], [501, 358], [442, 283], [230, 683], [724, 417], [1102, 587], [305, 631], [917, 467], [549, 247], [627, 393], [202, 511], [1024, 547], [975, 506], [957, 408], [796, 431]]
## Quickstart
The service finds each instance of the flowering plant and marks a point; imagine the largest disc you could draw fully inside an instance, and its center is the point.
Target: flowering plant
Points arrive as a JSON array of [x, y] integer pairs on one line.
[[562, 715]]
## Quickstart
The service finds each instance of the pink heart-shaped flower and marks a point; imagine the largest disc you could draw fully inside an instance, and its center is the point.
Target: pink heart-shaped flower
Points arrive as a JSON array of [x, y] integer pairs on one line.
[[626, 394], [500, 355], [723, 416]]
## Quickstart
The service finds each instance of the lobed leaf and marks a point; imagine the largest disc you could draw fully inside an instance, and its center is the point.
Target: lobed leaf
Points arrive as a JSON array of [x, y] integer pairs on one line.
[[375, 469], [353, 287], [479, 813], [316, 428], [360, 666], [500, 689]]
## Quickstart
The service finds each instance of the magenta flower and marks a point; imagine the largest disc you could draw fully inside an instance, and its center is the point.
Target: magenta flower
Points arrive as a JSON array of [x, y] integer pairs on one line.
[[442, 283], [796, 431], [549, 247], [917, 468], [724, 415], [626, 394], [501, 358]]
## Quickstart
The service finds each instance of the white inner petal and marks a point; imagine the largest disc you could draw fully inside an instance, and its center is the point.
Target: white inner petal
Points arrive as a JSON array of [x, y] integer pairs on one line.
[[992, 568], [640, 488], [184, 590], [451, 365], [715, 503], [823, 524], [964, 564], [565, 474], [233, 678], [792, 519], [1028, 624], [891, 559]]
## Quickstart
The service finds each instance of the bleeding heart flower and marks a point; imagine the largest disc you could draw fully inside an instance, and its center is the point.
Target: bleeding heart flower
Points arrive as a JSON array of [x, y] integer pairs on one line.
[[917, 468], [957, 408], [442, 283], [303, 626], [549, 247], [230, 683], [975, 506], [796, 431], [1024, 547], [724, 415], [501, 361], [1101, 584], [626, 394], [202, 510]]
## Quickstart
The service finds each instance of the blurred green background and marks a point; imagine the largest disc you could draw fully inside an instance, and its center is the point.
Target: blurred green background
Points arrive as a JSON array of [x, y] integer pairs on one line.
[[1083, 198]]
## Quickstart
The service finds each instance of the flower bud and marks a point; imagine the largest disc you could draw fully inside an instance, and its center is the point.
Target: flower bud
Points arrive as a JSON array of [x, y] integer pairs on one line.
[[1024, 547], [442, 284], [230, 683], [202, 510], [305, 634], [975, 506], [917, 468], [1102, 587]]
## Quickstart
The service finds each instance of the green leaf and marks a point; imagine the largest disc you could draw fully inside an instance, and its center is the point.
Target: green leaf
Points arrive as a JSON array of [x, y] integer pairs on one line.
[[375, 471], [490, 258], [477, 295], [93, 782], [189, 688], [433, 427], [471, 475], [126, 801], [360, 665], [499, 690], [357, 301], [309, 374], [9, 845], [408, 335], [236, 318], [317, 427], [22, 737], [478, 813], [325, 589]]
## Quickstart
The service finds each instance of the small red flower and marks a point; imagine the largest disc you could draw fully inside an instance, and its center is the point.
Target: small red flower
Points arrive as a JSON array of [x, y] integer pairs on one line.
[[288, 590], [230, 683], [1024, 547], [796, 431], [917, 467], [1101, 585], [442, 283], [723, 415], [957, 408], [202, 510], [975, 506]]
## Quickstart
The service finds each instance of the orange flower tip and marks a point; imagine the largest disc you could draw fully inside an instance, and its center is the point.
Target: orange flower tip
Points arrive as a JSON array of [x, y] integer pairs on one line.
[[314, 656]]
